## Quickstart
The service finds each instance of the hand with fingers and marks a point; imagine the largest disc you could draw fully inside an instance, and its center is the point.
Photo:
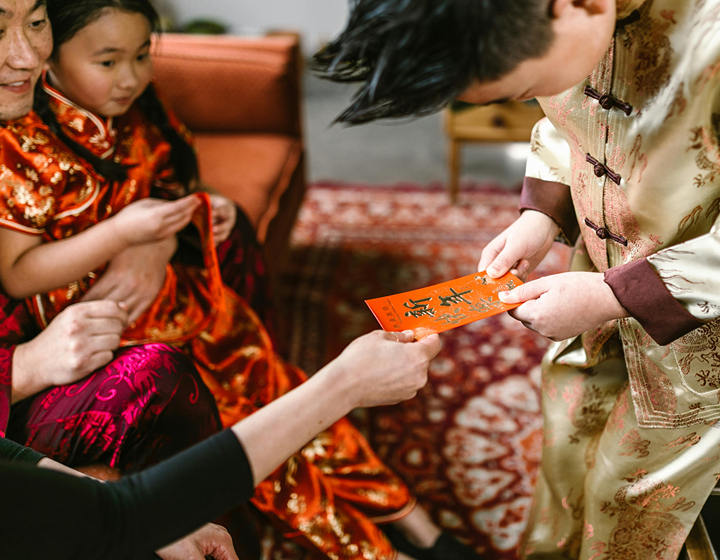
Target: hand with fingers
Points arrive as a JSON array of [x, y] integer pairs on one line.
[[521, 247], [135, 276], [383, 368], [210, 541], [224, 214], [149, 219], [565, 305], [81, 339]]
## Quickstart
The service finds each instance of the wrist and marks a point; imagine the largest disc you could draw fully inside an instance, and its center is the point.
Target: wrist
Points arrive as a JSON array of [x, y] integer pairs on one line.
[[171, 247], [543, 221], [28, 379], [333, 388], [611, 304], [114, 228]]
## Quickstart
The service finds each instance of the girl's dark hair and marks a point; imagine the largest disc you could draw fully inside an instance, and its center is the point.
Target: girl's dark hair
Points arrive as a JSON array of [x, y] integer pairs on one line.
[[415, 57], [67, 17]]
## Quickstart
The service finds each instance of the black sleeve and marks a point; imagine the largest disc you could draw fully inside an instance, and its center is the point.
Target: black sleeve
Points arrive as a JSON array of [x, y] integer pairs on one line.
[[14, 452], [47, 514]]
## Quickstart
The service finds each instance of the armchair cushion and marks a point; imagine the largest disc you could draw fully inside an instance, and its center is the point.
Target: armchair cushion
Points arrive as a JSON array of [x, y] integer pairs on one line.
[[230, 84], [241, 99], [252, 169]]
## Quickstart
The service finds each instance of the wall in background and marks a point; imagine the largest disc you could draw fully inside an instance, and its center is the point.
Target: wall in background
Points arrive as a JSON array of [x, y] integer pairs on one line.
[[317, 20]]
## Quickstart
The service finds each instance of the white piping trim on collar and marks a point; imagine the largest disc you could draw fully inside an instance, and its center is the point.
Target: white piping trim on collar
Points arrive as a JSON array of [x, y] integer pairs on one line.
[[100, 125]]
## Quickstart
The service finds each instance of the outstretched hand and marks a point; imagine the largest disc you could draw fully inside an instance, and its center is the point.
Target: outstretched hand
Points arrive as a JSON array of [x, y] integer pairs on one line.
[[383, 368], [564, 305], [521, 247]]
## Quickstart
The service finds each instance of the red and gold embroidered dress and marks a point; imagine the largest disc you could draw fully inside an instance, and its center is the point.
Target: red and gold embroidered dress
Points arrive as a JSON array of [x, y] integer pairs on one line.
[[331, 493]]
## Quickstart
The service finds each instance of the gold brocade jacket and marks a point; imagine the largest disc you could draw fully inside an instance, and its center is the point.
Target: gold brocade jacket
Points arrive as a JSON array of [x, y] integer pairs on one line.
[[628, 162]]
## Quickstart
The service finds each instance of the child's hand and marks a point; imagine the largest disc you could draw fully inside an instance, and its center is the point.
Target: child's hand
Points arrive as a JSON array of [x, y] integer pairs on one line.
[[564, 305], [149, 220], [224, 214], [521, 247]]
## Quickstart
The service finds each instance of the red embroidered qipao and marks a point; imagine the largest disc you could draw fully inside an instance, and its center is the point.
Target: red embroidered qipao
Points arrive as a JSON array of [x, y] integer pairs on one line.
[[327, 493]]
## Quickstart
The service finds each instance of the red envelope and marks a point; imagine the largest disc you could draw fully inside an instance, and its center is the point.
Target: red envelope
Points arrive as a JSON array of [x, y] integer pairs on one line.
[[444, 306]]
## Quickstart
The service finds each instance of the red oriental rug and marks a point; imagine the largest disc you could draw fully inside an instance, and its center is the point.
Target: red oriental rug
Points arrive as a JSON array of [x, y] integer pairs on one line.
[[469, 444]]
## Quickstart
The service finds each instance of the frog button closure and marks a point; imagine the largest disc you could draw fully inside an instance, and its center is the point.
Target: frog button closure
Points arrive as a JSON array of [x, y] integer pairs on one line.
[[607, 101], [604, 233], [601, 169]]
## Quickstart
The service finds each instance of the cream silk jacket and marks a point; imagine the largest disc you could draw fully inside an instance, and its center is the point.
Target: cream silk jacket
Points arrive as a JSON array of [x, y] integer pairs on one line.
[[629, 162]]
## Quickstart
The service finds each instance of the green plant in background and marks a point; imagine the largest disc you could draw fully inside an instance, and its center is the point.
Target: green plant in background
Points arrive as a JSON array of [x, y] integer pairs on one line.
[[205, 27]]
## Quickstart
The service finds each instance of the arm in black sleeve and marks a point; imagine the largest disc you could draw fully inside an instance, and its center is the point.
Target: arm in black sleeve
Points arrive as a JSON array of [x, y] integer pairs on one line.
[[47, 514], [16, 453]]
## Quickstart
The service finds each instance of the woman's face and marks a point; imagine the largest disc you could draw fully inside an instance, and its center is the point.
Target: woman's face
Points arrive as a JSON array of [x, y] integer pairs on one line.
[[106, 66]]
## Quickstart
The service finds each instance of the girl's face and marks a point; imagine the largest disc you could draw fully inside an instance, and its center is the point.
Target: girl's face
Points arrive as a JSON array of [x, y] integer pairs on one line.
[[106, 66]]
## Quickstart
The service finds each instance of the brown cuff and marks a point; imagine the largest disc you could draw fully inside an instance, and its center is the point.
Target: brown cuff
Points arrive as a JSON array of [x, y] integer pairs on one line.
[[641, 291], [552, 199]]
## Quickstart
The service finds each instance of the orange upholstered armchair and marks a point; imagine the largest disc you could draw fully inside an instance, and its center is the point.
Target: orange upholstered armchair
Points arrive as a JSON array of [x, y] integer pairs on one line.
[[241, 99]]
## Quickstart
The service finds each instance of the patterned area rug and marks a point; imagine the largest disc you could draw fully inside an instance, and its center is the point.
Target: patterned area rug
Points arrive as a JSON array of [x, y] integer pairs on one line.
[[469, 444]]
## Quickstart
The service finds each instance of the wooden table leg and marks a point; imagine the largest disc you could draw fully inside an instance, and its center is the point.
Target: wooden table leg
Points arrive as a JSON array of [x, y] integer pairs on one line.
[[698, 545], [454, 167]]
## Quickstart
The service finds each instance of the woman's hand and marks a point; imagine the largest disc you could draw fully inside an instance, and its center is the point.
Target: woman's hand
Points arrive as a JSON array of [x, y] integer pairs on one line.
[[135, 276], [224, 214], [383, 368], [377, 369], [564, 305], [150, 219], [81, 339], [521, 247], [210, 540]]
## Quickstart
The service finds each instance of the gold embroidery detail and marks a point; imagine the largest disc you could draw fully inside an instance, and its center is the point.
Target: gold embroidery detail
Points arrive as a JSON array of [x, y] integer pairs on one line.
[[296, 504], [292, 467]]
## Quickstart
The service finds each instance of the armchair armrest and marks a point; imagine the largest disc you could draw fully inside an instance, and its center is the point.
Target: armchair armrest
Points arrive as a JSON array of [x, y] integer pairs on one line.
[[231, 84]]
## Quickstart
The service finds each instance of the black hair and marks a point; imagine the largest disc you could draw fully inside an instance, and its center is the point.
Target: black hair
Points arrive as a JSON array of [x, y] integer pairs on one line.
[[415, 57], [67, 17]]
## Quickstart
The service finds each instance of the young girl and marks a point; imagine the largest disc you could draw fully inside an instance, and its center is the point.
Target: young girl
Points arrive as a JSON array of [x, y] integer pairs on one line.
[[75, 180]]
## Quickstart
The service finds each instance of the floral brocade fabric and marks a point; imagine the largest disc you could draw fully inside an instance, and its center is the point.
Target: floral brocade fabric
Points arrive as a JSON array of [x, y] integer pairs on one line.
[[329, 495], [631, 433], [14, 322], [47, 190], [648, 117]]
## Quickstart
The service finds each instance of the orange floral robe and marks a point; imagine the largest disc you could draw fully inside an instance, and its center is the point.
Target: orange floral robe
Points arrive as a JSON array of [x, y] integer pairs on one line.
[[330, 494]]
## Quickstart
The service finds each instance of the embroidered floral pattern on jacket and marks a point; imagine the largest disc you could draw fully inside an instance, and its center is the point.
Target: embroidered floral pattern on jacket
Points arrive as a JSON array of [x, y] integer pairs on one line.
[[666, 65], [651, 50], [645, 526]]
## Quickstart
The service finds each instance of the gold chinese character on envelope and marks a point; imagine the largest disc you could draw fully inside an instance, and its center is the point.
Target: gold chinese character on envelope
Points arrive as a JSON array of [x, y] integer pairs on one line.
[[444, 306]]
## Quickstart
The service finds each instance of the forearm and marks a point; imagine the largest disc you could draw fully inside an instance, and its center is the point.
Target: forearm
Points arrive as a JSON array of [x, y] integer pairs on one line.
[[554, 200], [51, 465], [127, 519], [547, 176], [292, 421], [48, 266], [674, 291], [642, 291]]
